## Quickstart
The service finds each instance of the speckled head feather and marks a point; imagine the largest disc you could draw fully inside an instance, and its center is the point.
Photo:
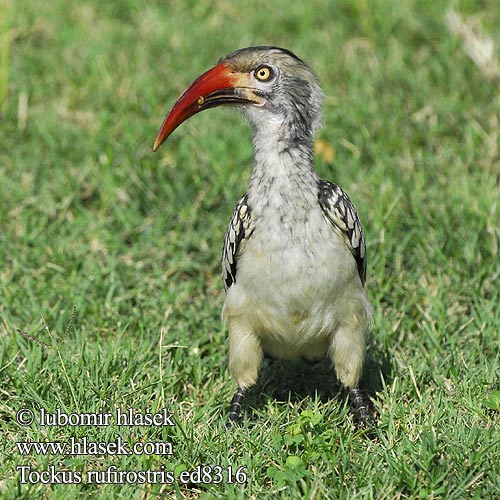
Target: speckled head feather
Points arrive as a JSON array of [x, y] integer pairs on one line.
[[293, 94], [258, 52]]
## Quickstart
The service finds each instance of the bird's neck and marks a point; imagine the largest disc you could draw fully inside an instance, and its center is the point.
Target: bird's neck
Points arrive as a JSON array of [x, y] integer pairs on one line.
[[283, 171]]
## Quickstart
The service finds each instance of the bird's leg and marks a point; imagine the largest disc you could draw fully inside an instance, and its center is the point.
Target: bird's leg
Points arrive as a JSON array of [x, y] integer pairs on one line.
[[245, 357], [235, 408], [347, 353], [360, 408]]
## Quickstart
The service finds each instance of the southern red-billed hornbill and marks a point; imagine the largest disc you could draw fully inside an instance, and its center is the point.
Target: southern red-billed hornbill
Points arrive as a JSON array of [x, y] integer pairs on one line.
[[293, 260]]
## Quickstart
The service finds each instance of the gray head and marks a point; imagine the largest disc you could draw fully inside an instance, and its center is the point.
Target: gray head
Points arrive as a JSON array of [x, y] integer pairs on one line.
[[274, 87], [289, 89]]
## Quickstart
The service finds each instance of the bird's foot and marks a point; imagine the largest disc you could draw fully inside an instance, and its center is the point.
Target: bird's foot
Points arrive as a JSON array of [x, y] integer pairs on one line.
[[235, 408], [361, 409]]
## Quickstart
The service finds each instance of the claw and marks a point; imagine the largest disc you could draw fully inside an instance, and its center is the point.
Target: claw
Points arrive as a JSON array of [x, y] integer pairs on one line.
[[361, 409], [235, 408]]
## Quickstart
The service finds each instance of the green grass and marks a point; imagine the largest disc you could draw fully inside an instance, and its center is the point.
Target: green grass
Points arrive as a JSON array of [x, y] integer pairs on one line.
[[90, 218]]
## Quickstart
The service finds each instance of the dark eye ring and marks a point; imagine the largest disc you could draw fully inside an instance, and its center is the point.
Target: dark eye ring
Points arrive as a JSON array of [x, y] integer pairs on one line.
[[264, 73]]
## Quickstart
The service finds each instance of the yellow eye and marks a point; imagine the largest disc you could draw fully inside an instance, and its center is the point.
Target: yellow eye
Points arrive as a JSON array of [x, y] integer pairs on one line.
[[264, 73]]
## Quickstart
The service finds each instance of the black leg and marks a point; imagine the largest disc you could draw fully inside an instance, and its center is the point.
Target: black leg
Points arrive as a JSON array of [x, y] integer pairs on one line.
[[360, 408], [235, 408]]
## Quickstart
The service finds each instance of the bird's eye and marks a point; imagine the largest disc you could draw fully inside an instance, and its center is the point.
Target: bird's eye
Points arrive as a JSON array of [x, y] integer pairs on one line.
[[264, 73]]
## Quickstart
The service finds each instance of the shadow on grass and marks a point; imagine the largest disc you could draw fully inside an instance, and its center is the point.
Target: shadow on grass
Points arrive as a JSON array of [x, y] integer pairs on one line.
[[296, 380]]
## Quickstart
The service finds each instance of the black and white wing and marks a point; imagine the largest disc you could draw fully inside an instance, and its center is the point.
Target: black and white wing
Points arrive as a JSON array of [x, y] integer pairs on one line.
[[240, 227], [340, 211]]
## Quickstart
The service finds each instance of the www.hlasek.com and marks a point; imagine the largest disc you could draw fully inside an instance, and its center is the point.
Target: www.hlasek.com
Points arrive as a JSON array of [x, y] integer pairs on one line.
[[202, 474]]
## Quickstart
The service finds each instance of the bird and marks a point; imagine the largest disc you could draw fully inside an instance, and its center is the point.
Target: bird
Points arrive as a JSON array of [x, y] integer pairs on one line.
[[294, 254]]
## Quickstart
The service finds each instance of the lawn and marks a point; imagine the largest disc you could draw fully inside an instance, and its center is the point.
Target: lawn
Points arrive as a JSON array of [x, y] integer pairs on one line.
[[110, 294]]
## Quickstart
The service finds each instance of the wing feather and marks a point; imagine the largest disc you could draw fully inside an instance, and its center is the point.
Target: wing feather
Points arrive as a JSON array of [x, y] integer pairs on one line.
[[340, 211], [240, 228]]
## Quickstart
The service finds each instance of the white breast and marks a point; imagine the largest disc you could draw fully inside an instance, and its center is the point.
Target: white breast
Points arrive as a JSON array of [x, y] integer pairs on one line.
[[294, 279]]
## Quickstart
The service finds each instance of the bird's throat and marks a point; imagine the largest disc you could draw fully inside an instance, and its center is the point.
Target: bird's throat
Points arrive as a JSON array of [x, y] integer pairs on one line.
[[283, 176]]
